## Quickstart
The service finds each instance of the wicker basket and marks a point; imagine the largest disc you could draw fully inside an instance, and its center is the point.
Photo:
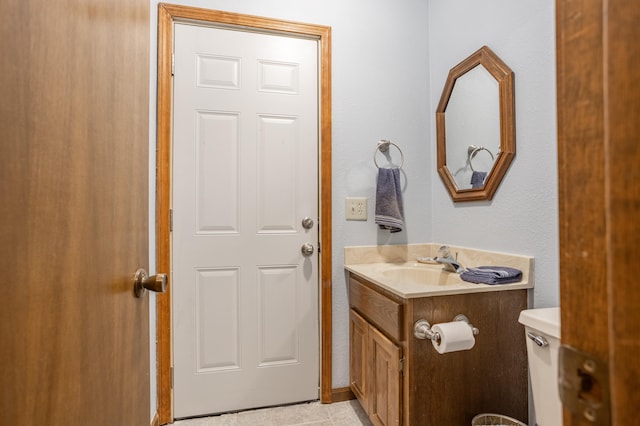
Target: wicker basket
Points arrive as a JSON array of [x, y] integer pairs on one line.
[[495, 420]]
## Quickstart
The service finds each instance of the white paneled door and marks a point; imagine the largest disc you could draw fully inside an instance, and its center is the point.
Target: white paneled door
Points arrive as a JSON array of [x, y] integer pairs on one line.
[[245, 175]]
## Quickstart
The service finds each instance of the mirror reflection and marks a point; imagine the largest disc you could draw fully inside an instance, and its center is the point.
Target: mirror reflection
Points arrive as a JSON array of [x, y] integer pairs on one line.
[[475, 126], [472, 127]]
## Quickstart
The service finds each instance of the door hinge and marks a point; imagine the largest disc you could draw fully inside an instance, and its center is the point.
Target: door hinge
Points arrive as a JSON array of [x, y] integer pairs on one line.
[[173, 64], [170, 220], [402, 365], [584, 385]]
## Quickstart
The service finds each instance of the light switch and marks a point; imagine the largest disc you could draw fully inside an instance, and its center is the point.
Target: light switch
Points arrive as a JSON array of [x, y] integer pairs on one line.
[[356, 208]]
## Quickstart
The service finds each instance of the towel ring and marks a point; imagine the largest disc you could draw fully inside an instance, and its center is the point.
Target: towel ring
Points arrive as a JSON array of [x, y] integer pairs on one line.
[[473, 150], [383, 146]]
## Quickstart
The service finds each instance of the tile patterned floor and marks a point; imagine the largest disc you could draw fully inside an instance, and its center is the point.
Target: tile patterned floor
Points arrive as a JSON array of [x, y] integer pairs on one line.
[[348, 413]]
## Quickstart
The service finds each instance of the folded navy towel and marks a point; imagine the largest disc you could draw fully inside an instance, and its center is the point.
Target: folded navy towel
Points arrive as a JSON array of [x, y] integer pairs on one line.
[[477, 179], [389, 209], [492, 275]]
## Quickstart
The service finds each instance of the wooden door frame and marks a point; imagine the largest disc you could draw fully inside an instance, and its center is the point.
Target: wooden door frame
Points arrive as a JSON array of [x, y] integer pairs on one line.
[[168, 14], [598, 58]]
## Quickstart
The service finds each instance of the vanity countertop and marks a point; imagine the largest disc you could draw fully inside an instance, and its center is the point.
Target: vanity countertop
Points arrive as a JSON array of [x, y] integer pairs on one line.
[[395, 269]]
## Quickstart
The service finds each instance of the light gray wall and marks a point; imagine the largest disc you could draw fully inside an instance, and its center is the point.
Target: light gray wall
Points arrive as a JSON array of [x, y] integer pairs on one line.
[[389, 63], [522, 218]]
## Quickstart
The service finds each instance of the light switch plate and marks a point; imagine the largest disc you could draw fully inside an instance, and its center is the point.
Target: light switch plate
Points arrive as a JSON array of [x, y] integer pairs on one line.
[[356, 208]]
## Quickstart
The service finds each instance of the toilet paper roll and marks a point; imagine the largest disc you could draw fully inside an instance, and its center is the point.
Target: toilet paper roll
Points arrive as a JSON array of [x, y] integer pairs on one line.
[[454, 336]]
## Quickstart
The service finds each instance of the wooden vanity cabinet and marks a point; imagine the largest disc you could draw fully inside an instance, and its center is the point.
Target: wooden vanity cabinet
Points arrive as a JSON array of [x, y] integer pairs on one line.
[[402, 380], [376, 355]]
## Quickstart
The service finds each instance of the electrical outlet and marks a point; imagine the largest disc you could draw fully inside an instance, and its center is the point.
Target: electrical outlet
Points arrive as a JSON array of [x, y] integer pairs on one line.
[[356, 208]]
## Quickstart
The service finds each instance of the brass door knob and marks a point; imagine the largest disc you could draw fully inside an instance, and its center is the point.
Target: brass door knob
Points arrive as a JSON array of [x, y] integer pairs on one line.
[[143, 282]]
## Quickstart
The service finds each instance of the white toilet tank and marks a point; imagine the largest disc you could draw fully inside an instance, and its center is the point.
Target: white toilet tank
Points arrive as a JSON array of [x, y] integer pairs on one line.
[[543, 325]]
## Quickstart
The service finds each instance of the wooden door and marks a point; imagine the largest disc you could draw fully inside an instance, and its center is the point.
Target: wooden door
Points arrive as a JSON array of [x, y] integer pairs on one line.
[[598, 62], [245, 161], [74, 114]]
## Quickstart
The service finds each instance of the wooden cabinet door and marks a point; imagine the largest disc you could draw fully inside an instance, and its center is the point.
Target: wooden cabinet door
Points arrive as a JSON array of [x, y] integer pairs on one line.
[[358, 338], [384, 380]]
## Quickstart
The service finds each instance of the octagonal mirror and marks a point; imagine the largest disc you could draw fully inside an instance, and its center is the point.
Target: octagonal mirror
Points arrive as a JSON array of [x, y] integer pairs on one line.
[[475, 126]]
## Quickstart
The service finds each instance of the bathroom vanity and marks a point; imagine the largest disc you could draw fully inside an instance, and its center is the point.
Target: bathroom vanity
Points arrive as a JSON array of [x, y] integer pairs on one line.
[[402, 380]]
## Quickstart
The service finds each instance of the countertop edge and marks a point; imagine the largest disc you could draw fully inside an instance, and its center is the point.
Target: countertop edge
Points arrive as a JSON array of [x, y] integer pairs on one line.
[[451, 289]]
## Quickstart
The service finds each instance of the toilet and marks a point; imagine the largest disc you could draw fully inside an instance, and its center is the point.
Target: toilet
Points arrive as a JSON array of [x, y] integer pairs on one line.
[[542, 330]]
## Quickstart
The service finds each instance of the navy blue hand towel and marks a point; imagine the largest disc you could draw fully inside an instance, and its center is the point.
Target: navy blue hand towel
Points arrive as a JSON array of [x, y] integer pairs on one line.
[[492, 275], [477, 179], [389, 209]]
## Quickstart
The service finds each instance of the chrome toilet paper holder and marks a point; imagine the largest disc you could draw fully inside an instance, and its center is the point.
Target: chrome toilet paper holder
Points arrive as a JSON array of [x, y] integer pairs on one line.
[[422, 329]]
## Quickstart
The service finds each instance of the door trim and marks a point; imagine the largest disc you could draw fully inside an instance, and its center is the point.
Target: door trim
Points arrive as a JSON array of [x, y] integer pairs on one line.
[[598, 99], [167, 15]]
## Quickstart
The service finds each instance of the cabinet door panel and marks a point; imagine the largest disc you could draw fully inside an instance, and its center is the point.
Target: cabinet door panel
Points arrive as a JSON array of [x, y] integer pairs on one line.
[[385, 380], [358, 369]]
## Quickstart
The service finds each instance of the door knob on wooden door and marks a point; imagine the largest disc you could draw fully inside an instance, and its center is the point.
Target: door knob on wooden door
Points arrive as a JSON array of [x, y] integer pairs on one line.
[[143, 282]]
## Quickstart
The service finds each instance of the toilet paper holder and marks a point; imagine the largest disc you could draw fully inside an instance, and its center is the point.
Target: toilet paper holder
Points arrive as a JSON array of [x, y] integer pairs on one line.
[[422, 329]]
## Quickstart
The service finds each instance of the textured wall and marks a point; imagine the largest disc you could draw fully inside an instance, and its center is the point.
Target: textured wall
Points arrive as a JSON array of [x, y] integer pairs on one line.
[[522, 218]]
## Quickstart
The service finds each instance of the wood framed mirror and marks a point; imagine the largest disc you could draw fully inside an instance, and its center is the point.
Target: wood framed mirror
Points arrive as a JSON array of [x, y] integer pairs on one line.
[[475, 126]]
